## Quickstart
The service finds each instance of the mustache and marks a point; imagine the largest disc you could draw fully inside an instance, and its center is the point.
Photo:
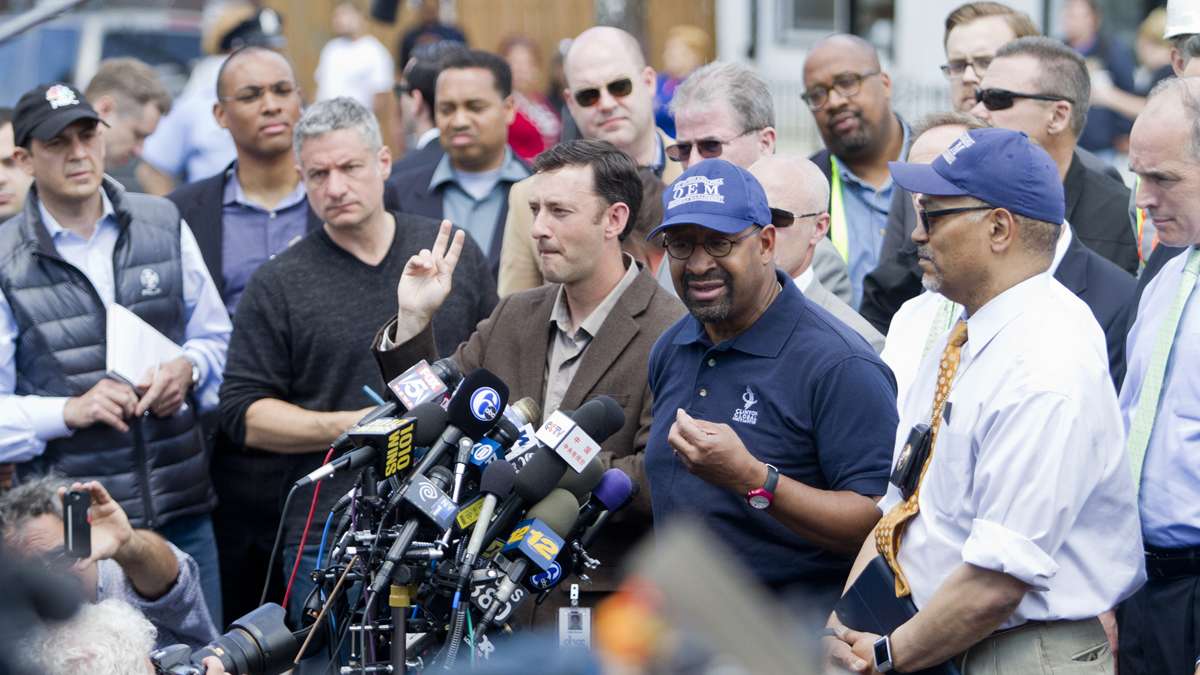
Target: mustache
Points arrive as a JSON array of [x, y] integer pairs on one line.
[[715, 274], [924, 251]]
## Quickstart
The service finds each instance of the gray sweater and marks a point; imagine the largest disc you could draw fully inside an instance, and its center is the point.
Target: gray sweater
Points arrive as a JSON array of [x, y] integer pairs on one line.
[[303, 332], [179, 616]]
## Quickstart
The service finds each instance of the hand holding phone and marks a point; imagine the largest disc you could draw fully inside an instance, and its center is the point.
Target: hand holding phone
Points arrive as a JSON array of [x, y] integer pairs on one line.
[[77, 533]]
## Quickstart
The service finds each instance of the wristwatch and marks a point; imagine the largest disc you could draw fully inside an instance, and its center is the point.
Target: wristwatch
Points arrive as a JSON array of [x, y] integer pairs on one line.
[[761, 498], [195, 373], [883, 654]]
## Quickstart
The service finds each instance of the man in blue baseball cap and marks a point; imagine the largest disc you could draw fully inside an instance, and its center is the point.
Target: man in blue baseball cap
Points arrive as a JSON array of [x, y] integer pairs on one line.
[[1009, 522], [771, 419]]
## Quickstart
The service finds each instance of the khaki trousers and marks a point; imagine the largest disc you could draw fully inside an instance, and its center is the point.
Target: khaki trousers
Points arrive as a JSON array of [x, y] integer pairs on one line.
[[1042, 648]]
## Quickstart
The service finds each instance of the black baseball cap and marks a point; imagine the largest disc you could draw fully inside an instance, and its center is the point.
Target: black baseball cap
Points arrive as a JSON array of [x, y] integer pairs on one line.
[[44, 111]]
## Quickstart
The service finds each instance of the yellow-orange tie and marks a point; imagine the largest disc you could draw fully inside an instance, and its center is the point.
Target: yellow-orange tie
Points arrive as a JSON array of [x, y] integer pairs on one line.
[[887, 534]]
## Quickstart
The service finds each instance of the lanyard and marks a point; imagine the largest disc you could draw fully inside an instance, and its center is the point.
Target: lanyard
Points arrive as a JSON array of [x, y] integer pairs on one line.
[[838, 228], [947, 314]]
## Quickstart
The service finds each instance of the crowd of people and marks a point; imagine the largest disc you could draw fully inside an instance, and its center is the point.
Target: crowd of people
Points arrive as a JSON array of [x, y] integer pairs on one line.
[[937, 367]]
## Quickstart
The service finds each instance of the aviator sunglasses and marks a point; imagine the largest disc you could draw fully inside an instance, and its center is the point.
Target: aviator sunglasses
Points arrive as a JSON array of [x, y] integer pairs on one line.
[[589, 97]]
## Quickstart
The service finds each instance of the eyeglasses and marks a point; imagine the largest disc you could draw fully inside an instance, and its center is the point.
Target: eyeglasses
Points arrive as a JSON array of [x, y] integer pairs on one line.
[[717, 247], [782, 218], [589, 97], [846, 84], [928, 216], [251, 94], [708, 147], [956, 67], [1003, 99]]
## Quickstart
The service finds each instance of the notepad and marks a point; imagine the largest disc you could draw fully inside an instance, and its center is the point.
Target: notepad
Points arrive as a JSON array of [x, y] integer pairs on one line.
[[134, 347]]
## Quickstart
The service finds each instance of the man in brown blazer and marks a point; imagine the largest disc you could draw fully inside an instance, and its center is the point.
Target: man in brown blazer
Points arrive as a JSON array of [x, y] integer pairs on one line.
[[588, 332], [610, 94]]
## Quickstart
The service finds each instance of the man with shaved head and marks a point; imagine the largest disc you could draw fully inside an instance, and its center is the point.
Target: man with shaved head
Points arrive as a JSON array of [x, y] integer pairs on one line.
[[610, 93], [850, 99], [798, 193]]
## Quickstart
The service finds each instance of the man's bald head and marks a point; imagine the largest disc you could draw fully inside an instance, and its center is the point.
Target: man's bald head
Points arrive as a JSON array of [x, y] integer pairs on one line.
[[795, 184], [605, 40], [606, 69], [845, 48]]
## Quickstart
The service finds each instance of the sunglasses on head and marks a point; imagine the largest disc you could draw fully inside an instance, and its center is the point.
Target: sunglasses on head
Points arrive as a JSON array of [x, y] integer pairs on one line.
[[589, 97], [1003, 99]]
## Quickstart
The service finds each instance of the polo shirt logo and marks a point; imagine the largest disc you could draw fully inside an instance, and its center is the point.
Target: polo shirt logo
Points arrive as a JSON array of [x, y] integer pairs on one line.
[[696, 189], [745, 415]]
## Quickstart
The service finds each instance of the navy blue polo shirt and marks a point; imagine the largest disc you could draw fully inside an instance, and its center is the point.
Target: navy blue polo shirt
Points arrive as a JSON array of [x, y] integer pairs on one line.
[[804, 393]]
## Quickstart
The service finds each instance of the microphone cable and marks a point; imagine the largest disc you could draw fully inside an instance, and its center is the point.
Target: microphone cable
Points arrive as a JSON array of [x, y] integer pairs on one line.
[[287, 503]]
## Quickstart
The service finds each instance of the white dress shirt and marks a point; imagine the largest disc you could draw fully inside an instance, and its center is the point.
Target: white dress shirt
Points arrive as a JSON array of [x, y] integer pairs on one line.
[[1029, 475], [27, 423], [919, 323], [1170, 495]]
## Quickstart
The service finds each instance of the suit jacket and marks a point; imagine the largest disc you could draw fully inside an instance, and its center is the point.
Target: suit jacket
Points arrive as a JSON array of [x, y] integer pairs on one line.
[[831, 270], [513, 343], [518, 256], [431, 153], [819, 295], [200, 204], [1108, 292], [407, 191], [1096, 208]]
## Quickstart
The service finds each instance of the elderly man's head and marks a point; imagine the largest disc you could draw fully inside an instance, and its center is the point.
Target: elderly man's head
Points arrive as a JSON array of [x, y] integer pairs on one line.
[[610, 89], [798, 194], [31, 522], [849, 95], [723, 110], [1164, 151], [107, 638]]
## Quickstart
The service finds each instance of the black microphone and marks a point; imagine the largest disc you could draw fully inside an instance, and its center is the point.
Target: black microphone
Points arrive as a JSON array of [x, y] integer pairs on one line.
[[600, 417], [472, 412], [516, 415], [427, 494], [343, 441], [534, 481], [581, 484], [350, 461], [496, 483]]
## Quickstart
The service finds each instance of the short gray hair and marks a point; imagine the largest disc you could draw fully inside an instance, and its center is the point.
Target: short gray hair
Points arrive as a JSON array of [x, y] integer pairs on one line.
[[946, 118], [29, 500], [1186, 91], [336, 114], [1062, 72], [107, 638], [745, 92]]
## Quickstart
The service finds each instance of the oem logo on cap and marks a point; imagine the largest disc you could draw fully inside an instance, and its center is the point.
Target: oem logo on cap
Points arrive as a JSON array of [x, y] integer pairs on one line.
[[60, 96], [485, 404], [961, 143], [696, 189]]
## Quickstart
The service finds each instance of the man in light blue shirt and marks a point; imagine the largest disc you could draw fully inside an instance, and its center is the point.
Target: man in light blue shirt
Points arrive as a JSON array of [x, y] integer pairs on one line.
[[80, 245], [1160, 399], [851, 101]]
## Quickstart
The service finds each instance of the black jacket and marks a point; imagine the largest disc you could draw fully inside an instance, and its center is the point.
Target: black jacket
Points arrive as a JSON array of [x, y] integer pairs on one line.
[[200, 204], [158, 470], [1096, 208]]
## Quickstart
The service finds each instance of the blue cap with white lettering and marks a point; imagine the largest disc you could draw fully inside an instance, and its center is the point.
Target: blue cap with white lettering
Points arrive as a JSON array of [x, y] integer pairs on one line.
[[715, 194], [999, 167]]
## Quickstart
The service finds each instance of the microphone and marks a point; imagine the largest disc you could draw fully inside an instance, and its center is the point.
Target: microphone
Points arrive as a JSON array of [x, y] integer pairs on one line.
[[508, 428], [472, 413], [428, 496], [343, 441], [496, 483], [582, 483], [534, 481], [425, 382], [614, 491], [350, 461], [538, 541], [577, 436]]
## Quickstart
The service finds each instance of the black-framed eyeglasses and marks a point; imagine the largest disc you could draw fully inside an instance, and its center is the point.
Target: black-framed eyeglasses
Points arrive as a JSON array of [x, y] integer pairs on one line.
[[717, 247], [783, 218], [589, 97], [707, 147], [954, 68], [251, 94], [846, 84], [1003, 99], [928, 216]]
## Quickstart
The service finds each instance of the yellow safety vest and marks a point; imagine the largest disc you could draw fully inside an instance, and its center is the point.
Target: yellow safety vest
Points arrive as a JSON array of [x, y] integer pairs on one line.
[[839, 231]]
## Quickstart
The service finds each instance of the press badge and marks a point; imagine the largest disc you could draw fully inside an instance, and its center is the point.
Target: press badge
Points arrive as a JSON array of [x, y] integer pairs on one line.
[[575, 623]]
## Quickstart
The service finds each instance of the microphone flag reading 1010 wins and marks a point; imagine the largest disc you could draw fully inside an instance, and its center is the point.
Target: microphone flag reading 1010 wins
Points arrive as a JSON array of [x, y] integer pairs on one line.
[[392, 437]]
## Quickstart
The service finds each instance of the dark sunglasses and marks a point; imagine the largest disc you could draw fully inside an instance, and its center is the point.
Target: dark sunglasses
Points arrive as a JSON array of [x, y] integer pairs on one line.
[[708, 147], [589, 97], [928, 216], [782, 218], [1003, 99]]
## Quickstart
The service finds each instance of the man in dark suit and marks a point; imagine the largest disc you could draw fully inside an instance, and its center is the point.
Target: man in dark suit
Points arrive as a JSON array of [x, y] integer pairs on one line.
[[586, 333], [469, 183], [416, 96]]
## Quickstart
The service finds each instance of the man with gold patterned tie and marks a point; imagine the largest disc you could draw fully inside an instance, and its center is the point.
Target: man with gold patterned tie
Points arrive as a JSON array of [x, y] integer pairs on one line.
[[1160, 400], [1016, 529]]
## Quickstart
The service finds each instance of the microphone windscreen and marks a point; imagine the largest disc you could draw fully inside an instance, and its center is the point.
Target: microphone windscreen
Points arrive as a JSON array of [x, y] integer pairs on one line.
[[477, 404], [599, 417], [582, 483], [441, 477], [431, 422], [498, 479], [539, 475], [558, 510], [447, 371], [614, 489]]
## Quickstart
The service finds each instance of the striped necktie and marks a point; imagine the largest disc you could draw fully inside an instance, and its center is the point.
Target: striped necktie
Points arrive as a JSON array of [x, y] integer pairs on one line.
[[887, 533], [1146, 408]]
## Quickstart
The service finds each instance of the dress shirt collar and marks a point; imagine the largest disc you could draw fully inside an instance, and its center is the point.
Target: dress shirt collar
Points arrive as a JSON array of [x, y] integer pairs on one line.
[[1000, 310], [805, 279], [560, 316], [769, 333], [107, 217], [1060, 247], [234, 194], [511, 171]]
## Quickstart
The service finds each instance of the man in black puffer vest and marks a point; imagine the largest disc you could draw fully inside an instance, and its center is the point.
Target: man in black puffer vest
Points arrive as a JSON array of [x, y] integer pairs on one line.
[[81, 244]]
